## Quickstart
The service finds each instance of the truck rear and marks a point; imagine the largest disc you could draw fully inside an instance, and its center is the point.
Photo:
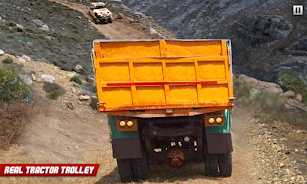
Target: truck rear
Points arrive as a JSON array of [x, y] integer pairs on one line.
[[167, 101]]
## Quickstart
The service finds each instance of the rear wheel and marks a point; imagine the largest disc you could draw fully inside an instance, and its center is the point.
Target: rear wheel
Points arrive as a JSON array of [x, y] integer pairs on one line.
[[124, 169], [225, 164], [133, 169], [211, 166], [219, 165], [96, 21]]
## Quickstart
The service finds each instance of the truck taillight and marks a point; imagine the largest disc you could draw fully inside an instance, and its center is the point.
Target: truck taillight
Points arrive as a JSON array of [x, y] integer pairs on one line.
[[214, 120], [126, 124]]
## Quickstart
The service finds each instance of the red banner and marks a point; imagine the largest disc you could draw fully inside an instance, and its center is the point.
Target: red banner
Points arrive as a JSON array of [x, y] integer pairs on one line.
[[48, 169]]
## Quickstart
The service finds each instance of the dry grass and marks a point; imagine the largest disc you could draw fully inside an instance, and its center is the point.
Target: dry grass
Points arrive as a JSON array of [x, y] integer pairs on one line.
[[13, 120]]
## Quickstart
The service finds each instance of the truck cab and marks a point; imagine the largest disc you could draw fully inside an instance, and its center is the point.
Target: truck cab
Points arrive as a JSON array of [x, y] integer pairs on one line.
[[168, 101]]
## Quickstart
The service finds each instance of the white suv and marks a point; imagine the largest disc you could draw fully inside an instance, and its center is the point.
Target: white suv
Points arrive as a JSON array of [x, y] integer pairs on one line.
[[100, 13]]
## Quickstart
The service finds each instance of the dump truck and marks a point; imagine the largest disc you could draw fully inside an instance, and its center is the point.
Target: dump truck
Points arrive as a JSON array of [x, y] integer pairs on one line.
[[168, 101]]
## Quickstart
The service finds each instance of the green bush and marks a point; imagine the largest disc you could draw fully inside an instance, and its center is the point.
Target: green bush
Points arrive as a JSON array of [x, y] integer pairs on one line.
[[93, 103], [8, 61], [291, 82], [53, 90], [12, 24], [76, 79], [11, 87], [19, 29], [294, 83]]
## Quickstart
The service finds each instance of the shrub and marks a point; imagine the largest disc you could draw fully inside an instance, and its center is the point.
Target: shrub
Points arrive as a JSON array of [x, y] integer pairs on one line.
[[19, 29], [12, 24], [11, 87], [291, 82], [53, 90], [12, 122], [8, 61], [294, 83], [76, 79], [93, 103]]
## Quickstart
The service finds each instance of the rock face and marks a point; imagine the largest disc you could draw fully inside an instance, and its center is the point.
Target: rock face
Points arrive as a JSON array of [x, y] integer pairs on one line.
[[263, 38], [263, 29]]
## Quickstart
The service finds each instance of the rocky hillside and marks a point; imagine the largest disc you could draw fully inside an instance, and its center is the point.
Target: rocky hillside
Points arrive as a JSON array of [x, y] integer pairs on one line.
[[47, 31], [267, 39]]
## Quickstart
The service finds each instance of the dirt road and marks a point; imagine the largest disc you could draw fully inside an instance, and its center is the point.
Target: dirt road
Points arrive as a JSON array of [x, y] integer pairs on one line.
[[120, 29], [244, 170]]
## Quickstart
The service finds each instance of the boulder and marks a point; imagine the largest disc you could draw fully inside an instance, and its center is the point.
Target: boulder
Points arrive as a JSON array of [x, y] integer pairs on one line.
[[91, 80], [27, 58], [45, 28], [21, 61], [292, 104], [26, 79], [139, 14], [70, 105], [79, 69], [299, 97], [1, 52], [48, 78], [289, 94], [130, 20], [74, 84], [84, 97], [268, 87], [38, 22], [152, 31], [33, 77], [19, 26], [120, 16]]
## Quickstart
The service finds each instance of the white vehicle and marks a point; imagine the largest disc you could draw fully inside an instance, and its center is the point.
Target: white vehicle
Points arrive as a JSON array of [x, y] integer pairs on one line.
[[100, 13]]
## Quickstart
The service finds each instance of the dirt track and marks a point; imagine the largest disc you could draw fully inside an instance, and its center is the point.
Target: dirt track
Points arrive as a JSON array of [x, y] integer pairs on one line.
[[118, 30]]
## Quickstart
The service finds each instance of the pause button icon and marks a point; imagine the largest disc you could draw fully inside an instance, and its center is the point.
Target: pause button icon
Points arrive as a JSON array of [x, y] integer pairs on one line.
[[298, 10]]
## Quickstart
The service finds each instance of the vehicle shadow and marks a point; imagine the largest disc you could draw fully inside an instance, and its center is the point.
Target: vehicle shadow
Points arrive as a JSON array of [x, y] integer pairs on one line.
[[165, 173]]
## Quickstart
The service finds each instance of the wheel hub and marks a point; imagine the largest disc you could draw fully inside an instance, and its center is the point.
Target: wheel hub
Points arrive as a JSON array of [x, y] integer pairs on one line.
[[176, 157]]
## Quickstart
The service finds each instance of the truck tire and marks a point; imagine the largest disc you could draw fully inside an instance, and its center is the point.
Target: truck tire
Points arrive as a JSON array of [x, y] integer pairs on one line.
[[225, 164], [110, 20], [140, 169], [125, 170], [133, 169], [211, 166], [96, 20]]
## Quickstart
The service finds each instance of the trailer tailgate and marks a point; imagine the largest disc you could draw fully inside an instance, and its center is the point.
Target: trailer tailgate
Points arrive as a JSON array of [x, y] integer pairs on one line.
[[162, 74]]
